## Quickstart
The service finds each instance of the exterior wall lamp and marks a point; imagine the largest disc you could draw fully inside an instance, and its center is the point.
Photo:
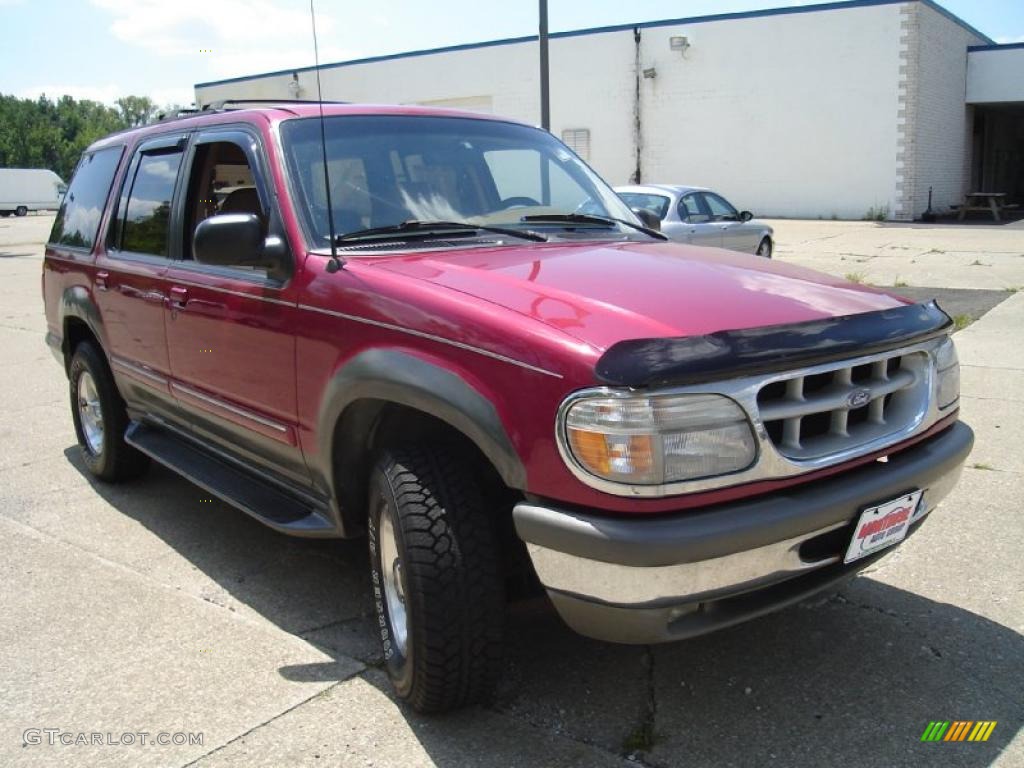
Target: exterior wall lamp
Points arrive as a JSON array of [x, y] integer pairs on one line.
[[679, 43]]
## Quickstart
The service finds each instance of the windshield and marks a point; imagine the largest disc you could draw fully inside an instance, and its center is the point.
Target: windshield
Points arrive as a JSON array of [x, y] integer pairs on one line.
[[386, 170]]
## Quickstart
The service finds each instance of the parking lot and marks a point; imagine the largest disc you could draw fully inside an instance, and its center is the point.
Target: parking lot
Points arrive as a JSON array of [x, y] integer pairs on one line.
[[148, 608]]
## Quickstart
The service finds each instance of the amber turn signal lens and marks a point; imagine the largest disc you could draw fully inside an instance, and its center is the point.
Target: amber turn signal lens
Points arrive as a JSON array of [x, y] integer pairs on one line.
[[643, 439], [609, 455]]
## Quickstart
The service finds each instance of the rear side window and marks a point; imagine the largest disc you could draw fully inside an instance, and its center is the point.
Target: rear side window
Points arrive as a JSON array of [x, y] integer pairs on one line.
[[144, 216], [79, 217], [148, 216]]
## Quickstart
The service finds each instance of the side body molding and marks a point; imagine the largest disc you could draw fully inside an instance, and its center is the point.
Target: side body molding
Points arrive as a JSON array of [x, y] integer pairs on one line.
[[398, 377]]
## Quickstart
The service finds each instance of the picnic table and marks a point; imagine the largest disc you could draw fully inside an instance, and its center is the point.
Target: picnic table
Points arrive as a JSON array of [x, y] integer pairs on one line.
[[993, 202]]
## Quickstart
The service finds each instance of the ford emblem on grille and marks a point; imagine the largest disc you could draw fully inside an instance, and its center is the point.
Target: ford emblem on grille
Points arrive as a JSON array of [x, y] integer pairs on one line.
[[859, 399]]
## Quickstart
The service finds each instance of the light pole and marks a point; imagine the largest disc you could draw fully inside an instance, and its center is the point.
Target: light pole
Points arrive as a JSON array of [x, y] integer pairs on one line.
[[545, 96]]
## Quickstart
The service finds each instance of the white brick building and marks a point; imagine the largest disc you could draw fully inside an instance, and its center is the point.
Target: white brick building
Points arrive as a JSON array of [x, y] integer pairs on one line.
[[823, 110]]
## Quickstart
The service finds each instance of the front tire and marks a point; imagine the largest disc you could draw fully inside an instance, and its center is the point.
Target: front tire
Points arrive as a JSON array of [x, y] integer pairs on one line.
[[21, 210], [436, 578], [765, 248], [100, 418]]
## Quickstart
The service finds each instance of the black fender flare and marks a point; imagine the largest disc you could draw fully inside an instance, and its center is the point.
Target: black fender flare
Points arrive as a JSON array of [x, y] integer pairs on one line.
[[399, 377], [77, 302]]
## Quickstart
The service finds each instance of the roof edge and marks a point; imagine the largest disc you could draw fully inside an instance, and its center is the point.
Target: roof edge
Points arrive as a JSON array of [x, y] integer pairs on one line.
[[763, 12], [995, 47]]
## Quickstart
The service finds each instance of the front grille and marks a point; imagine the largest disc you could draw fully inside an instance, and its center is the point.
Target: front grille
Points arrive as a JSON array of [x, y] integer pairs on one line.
[[815, 415]]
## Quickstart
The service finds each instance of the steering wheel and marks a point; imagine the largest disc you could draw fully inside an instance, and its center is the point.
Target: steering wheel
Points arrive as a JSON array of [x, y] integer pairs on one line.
[[518, 202]]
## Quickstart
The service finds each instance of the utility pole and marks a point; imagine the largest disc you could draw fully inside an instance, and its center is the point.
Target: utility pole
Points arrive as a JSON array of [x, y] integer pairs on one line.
[[545, 95]]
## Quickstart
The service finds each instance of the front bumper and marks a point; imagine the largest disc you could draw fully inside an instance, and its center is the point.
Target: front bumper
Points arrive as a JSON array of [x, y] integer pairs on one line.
[[656, 580]]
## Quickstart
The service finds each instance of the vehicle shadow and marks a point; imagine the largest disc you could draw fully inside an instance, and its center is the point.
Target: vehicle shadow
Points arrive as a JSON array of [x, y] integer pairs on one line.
[[852, 678]]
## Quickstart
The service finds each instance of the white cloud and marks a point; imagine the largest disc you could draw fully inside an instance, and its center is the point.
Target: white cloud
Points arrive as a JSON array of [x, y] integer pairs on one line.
[[232, 37], [1007, 40]]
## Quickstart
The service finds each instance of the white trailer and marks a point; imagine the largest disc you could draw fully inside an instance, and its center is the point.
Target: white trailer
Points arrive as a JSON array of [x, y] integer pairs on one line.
[[29, 189]]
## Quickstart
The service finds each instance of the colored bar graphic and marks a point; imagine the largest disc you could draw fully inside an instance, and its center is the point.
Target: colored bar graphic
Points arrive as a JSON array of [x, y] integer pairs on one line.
[[935, 730], [958, 730]]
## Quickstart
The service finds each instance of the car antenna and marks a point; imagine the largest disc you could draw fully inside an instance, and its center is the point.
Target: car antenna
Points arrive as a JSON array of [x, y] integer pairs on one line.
[[336, 261]]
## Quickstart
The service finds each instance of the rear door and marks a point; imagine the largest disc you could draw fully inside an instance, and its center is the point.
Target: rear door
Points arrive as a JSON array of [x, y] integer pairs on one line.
[[697, 225], [131, 268], [229, 329]]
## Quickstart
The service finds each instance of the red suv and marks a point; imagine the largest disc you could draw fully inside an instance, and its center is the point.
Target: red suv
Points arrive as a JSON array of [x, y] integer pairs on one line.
[[446, 332]]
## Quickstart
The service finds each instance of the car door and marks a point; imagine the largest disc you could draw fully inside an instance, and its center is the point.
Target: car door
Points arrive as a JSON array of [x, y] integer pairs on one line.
[[725, 216], [131, 270], [697, 227], [229, 337]]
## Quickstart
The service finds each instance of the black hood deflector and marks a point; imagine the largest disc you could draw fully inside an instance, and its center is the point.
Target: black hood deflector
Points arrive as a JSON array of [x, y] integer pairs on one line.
[[729, 354]]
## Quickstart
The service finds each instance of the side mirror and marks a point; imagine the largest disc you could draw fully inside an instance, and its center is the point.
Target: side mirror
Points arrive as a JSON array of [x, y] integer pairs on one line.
[[232, 240], [746, 216], [648, 218]]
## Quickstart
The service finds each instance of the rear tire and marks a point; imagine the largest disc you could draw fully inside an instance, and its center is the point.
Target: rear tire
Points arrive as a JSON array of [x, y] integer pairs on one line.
[[21, 210], [100, 418], [436, 578], [765, 248], [5, 214]]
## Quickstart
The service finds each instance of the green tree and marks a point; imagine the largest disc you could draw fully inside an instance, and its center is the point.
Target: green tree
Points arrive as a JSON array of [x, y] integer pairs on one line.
[[40, 133], [136, 110]]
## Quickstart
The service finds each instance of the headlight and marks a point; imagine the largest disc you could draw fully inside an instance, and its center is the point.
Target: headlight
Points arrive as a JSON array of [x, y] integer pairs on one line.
[[947, 367], [658, 439]]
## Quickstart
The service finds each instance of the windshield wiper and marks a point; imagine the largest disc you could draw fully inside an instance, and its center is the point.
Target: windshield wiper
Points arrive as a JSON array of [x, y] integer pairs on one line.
[[589, 218], [415, 228]]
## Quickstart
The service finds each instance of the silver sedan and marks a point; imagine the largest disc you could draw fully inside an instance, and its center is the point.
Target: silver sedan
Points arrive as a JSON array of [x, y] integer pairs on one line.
[[701, 217]]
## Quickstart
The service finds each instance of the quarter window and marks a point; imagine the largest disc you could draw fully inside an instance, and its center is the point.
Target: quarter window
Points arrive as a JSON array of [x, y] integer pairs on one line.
[[80, 212]]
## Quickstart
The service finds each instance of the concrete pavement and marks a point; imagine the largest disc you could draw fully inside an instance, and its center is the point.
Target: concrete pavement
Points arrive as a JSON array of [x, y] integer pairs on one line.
[[887, 253], [148, 608]]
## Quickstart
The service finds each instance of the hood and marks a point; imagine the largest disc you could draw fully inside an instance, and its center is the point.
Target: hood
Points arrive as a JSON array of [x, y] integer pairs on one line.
[[602, 293]]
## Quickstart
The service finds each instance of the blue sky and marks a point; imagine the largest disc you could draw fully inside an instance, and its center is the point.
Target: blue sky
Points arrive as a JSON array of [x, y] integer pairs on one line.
[[101, 49]]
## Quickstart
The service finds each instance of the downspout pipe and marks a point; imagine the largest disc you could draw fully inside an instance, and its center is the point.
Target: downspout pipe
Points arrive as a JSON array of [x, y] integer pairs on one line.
[[637, 126]]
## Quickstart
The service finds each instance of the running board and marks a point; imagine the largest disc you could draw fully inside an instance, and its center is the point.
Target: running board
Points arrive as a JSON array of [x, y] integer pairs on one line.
[[266, 501]]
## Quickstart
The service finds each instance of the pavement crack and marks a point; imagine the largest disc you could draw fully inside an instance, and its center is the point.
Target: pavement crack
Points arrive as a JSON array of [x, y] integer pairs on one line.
[[560, 734], [269, 720], [18, 328]]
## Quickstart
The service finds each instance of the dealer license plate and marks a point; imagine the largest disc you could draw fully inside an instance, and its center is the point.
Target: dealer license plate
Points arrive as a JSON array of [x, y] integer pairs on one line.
[[883, 526]]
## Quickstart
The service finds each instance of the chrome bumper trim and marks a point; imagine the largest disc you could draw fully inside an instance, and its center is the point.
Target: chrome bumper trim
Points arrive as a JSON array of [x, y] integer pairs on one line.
[[690, 582]]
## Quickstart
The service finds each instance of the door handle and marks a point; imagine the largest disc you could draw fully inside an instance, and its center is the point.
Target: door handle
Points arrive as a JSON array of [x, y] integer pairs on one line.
[[101, 280], [179, 297]]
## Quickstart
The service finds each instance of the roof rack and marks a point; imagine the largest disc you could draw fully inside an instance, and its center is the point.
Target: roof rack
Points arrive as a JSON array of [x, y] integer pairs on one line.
[[224, 105], [178, 114]]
